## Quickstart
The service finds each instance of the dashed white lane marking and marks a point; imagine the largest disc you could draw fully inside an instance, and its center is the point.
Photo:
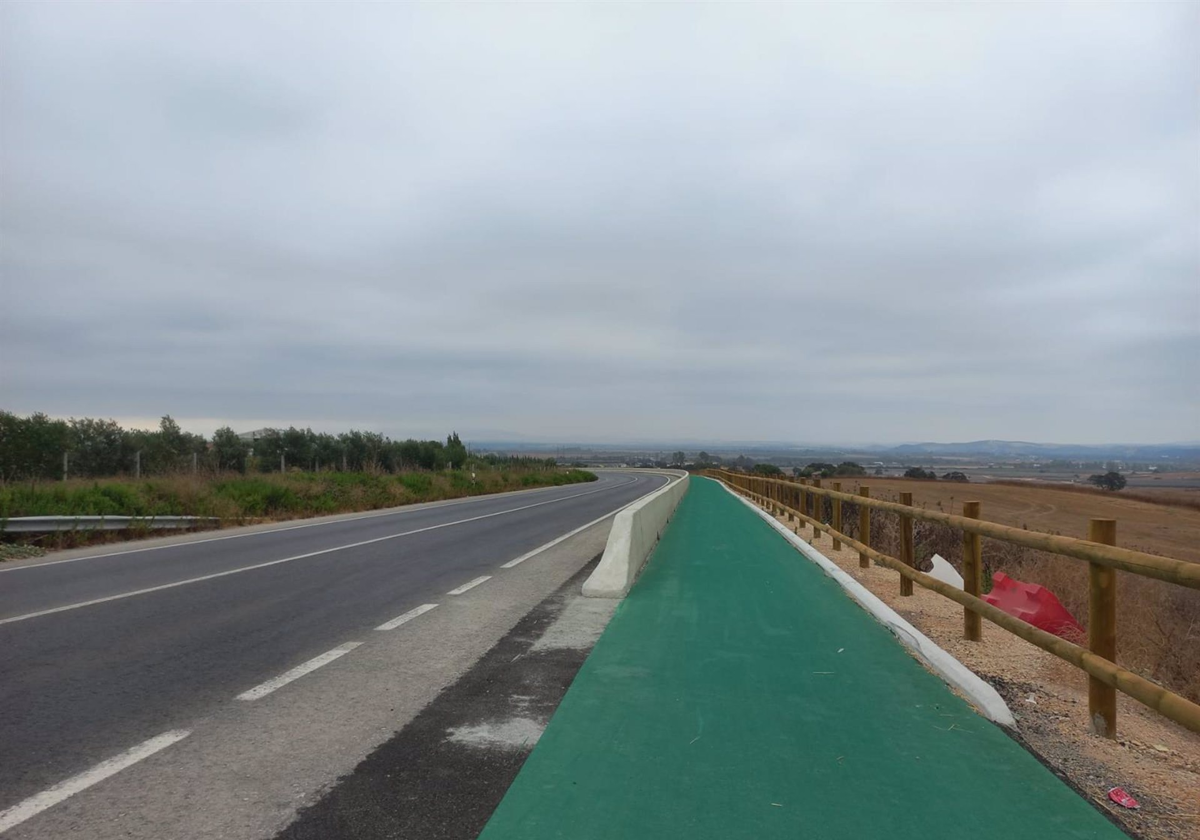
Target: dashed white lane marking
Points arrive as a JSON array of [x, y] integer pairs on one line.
[[471, 584], [50, 797], [241, 569], [297, 672], [407, 617]]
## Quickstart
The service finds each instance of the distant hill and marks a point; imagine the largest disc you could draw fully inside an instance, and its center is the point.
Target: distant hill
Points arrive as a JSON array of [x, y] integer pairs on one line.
[[1023, 449]]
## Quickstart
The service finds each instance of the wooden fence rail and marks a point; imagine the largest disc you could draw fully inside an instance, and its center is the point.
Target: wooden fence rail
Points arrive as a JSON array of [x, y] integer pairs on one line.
[[1105, 677]]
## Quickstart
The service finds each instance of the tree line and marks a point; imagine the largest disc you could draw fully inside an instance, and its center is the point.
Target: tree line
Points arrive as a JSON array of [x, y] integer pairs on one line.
[[34, 447]]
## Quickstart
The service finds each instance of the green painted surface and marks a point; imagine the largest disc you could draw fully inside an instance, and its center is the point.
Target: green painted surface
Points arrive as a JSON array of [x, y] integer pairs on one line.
[[738, 693]]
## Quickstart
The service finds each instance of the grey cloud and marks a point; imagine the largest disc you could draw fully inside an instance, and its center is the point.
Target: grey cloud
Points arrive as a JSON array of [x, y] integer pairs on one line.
[[596, 222]]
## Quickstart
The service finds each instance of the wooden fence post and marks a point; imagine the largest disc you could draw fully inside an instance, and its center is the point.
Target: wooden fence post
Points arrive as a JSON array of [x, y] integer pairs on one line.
[[906, 544], [972, 563], [818, 508], [1102, 629], [837, 515], [864, 527]]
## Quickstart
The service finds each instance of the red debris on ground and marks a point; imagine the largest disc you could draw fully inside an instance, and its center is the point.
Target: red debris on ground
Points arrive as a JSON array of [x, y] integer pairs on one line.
[[1122, 798], [1034, 604]]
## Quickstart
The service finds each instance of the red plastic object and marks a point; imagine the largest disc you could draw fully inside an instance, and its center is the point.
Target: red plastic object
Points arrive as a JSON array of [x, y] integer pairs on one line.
[[1123, 799], [1034, 604]]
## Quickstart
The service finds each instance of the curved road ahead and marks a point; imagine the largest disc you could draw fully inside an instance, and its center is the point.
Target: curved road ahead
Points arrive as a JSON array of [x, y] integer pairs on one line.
[[104, 653]]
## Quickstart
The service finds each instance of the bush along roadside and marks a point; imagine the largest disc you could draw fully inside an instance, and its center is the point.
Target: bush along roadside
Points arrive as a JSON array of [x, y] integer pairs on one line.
[[237, 499]]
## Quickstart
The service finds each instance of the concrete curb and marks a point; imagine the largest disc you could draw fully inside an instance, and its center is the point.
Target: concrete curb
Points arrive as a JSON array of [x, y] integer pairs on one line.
[[981, 695], [635, 531]]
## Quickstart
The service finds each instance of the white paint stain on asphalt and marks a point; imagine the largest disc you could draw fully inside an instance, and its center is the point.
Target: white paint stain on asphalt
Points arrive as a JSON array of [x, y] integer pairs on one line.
[[578, 626], [514, 733]]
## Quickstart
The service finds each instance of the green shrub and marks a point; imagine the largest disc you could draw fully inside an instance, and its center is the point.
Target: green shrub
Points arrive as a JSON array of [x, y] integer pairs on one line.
[[272, 496]]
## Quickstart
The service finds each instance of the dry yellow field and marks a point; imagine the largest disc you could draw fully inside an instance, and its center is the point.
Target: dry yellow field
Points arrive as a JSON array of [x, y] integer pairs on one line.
[[1145, 526]]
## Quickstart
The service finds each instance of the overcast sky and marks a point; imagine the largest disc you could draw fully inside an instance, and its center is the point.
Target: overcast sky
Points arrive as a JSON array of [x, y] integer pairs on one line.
[[856, 223]]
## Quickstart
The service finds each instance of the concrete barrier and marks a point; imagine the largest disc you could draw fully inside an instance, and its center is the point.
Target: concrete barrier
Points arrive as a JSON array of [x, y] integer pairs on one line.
[[634, 533]]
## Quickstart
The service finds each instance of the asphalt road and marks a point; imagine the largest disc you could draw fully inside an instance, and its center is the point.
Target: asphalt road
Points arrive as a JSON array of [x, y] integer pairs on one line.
[[100, 654]]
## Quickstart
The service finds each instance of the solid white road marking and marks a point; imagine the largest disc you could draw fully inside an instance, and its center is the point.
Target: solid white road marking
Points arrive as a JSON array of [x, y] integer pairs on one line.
[[299, 671], [241, 569], [469, 585], [517, 562], [375, 515], [50, 797], [407, 617]]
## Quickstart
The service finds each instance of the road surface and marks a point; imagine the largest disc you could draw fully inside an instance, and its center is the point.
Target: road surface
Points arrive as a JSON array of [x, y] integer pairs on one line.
[[211, 686], [739, 692]]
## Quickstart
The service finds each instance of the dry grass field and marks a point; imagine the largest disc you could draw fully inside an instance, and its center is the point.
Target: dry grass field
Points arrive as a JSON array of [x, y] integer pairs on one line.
[[1167, 529]]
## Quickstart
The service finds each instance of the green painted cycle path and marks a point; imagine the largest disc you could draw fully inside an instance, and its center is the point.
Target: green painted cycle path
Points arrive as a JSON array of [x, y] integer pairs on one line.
[[738, 693]]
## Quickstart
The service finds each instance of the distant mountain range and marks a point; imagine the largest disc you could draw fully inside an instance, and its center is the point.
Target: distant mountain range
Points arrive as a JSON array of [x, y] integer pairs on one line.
[[992, 449], [1023, 449]]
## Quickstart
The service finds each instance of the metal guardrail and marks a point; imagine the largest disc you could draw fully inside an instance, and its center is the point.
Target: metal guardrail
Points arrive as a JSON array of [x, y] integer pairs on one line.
[[804, 501], [53, 524]]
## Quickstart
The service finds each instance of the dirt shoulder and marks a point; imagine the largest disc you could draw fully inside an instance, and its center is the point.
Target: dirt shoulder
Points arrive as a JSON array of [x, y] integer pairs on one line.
[[1157, 761]]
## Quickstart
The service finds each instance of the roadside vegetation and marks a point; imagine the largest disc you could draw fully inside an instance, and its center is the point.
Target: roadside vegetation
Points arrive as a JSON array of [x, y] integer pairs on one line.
[[236, 499], [267, 474], [42, 447]]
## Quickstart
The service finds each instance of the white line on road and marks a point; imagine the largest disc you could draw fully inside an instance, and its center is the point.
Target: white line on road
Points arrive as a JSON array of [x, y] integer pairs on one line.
[[215, 575], [407, 617], [406, 509], [50, 797], [299, 671], [469, 585], [517, 562]]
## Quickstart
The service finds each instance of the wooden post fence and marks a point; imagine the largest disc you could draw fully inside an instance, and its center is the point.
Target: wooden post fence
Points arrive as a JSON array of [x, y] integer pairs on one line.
[[906, 544], [1097, 660], [1102, 629], [864, 527], [972, 574], [837, 515]]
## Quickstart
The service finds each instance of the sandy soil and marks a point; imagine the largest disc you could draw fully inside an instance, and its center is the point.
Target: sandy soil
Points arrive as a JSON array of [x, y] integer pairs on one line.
[[1155, 760]]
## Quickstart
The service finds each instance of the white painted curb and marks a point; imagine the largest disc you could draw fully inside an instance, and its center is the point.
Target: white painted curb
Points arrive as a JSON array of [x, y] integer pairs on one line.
[[981, 695], [635, 531]]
